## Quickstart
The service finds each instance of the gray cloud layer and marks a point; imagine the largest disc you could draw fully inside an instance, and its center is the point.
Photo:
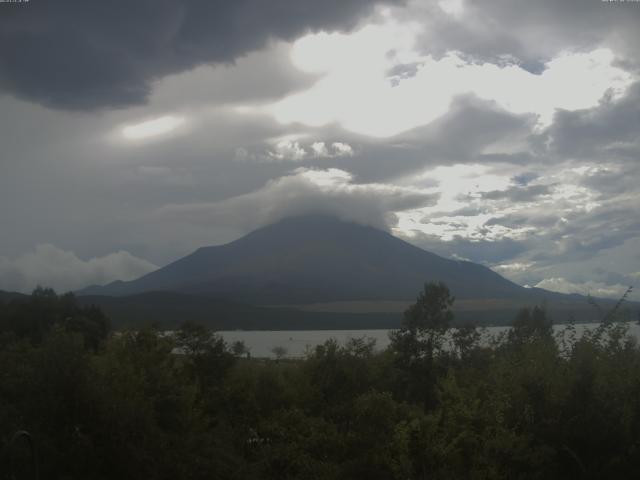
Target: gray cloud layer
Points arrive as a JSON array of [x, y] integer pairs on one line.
[[83, 54], [530, 31], [302, 192]]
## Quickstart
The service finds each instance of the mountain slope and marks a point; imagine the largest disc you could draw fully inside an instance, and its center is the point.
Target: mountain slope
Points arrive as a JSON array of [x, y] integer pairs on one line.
[[316, 259]]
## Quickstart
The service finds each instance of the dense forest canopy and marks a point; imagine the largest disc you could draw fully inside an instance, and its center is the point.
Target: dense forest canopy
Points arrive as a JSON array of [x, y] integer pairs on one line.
[[141, 404]]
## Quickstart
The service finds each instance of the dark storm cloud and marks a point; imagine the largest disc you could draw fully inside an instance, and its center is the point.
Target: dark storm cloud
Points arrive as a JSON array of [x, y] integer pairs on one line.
[[85, 54]]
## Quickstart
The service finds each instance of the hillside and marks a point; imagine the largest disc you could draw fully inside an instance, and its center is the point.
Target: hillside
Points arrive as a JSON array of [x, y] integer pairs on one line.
[[6, 297], [169, 310]]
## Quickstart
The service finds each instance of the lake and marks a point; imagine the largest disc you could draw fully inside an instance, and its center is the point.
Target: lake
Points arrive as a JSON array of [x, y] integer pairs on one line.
[[298, 342]]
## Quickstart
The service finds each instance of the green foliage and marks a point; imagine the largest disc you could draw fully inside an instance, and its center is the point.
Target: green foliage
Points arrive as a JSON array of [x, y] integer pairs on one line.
[[432, 310], [205, 354], [531, 325], [440, 403], [44, 310], [419, 343], [465, 339], [424, 324]]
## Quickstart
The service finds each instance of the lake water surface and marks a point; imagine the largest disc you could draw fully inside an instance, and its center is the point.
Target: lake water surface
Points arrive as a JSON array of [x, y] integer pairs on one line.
[[298, 342]]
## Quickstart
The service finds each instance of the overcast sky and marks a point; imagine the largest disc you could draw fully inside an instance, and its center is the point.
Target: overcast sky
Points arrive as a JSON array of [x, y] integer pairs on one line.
[[506, 132]]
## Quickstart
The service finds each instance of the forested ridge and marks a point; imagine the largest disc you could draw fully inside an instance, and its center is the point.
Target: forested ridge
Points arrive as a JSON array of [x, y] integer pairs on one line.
[[141, 404]]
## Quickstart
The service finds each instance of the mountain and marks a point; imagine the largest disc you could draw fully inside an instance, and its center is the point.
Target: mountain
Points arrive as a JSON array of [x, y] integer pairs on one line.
[[316, 259], [318, 272]]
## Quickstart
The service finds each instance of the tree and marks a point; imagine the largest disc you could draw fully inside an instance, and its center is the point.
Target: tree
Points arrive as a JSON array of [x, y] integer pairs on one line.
[[35, 317], [239, 348], [424, 323], [531, 325], [420, 341], [279, 351], [465, 338], [206, 354]]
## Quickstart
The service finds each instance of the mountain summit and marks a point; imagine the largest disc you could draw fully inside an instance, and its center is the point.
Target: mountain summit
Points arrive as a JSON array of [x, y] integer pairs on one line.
[[315, 259]]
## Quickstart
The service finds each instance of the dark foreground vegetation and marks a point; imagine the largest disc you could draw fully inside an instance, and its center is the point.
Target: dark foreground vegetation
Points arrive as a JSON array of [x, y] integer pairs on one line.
[[142, 405]]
